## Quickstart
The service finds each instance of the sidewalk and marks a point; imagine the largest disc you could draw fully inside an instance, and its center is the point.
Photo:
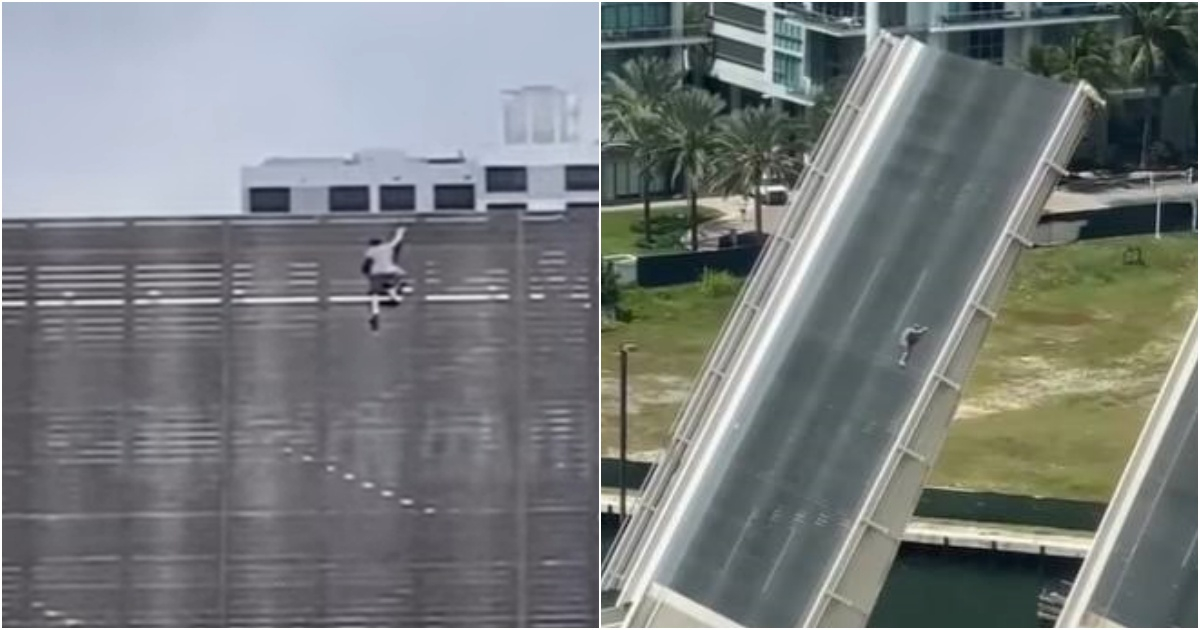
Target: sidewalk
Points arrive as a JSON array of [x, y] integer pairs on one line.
[[735, 216], [1073, 196]]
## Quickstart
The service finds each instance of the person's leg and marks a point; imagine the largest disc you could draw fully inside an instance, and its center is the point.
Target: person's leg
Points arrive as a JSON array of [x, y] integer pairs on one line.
[[904, 350], [373, 303]]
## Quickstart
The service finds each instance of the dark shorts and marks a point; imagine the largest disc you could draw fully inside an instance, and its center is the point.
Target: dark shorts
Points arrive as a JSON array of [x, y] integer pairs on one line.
[[382, 282]]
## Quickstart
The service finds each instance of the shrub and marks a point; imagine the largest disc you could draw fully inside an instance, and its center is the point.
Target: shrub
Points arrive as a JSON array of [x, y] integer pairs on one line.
[[718, 284]]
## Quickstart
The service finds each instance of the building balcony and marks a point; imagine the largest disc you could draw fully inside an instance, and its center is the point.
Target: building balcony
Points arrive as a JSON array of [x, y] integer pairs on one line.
[[836, 25], [654, 36], [1033, 15]]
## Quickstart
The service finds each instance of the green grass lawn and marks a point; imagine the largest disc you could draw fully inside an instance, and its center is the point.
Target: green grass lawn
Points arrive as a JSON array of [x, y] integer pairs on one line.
[[1059, 393], [620, 230]]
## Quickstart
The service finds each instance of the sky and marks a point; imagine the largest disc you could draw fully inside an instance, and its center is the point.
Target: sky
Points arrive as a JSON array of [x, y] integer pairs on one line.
[[154, 108]]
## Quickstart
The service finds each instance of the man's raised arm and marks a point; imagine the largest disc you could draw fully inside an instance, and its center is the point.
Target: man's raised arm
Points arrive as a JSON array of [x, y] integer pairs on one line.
[[397, 238]]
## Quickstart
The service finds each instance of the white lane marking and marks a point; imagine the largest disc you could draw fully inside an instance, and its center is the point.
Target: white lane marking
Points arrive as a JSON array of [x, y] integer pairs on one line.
[[368, 485], [348, 476], [456, 219], [406, 502], [176, 223], [80, 268], [581, 296], [537, 296], [50, 278], [177, 266], [468, 297], [75, 225], [387, 494], [330, 468], [349, 299], [429, 510], [179, 301], [278, 299], [307, 458]]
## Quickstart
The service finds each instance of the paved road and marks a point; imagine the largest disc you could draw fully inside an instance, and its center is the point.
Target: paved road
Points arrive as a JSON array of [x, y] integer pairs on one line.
[[827, 403], [1149, 578], [175, 458]]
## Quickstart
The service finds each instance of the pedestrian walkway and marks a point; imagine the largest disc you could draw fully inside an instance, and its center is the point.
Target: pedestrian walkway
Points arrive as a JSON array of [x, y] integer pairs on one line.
[[1079, 195]]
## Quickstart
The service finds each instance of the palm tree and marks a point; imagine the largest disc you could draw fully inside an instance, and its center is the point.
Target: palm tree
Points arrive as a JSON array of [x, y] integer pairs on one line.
[[754, 145], [822, 109], [1158, 54], [689, 122], [1090, 56], [630, 113]]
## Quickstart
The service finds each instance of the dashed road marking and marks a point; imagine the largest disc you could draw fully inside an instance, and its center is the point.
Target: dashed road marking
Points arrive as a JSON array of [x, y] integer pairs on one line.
[[332, 468]]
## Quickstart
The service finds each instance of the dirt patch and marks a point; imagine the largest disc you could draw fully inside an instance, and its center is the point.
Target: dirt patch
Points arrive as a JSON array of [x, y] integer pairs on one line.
[[648, 390], [1036, 380]]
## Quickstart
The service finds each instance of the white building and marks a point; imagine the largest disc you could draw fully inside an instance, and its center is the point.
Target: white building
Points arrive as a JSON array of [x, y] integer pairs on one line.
[[790, 50], [541, 167], [540, 114], [787, 53]]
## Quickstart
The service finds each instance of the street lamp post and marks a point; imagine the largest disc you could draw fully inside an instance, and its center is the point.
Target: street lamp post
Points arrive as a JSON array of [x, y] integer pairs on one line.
[[626, 348]]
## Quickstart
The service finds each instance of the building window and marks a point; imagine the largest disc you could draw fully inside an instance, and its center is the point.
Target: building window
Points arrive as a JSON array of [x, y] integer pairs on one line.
[[506, 179], [270, 200], [788, 71], [986, 45], [740, 15], [582, 178], [738, 52], [789, 35], [349, 199], [397, 198], [507, 206], [840, 9], [633, 20], [454, 197]]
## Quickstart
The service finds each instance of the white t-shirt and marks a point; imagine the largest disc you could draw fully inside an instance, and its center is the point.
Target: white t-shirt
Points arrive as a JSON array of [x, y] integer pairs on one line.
[[382, 259]]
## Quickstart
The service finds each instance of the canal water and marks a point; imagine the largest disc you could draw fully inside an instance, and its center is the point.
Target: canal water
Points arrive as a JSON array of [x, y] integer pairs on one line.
[[942, 587]]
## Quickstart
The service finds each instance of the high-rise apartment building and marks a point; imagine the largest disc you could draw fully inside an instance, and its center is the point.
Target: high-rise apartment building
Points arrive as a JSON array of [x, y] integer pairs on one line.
[[791, 50], [788, 52]]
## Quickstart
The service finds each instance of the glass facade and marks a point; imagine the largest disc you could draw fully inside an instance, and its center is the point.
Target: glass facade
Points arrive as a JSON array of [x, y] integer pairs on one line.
[[620, 180], [506, 179], [349, 199], [789, 71], [635, 17], [577, 178], [987, 45], [397, 198], [270, 200], [789, 35], [454, 197]]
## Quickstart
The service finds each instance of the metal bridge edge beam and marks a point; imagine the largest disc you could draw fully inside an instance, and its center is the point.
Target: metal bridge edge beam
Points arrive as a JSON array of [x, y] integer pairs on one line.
[[1075, 610]]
